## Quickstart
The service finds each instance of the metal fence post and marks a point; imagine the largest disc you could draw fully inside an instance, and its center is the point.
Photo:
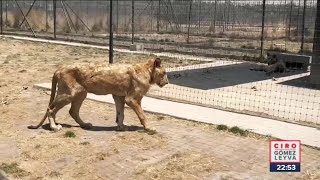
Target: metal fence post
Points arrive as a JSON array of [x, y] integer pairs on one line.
[[117, 26], [6, 21], [303, 24], [158, 17], [262, 27], [298, 19], [54, 18], [132, 21], [110, 34], [215, 16], [46, 15], [199, 17], [290, 19], [1, 23], [189, 19]]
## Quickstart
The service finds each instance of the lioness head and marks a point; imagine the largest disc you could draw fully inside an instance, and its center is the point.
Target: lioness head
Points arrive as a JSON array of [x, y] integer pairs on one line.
[[159, 74], [271, 59]]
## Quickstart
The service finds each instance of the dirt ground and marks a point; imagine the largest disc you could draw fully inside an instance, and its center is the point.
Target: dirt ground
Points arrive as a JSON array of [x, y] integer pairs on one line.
[[180, 150]]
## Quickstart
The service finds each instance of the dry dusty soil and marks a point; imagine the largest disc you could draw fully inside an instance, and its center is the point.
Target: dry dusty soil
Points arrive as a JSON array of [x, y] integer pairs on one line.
[[179, 150]]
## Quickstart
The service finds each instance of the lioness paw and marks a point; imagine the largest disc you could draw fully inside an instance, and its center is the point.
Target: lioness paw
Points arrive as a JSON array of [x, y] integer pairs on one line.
[[86, 126], [150, 130], [122, 128], [57, 128]]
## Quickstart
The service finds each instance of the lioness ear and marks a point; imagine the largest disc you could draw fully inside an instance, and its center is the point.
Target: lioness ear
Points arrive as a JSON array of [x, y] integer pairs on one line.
[[157, 62]]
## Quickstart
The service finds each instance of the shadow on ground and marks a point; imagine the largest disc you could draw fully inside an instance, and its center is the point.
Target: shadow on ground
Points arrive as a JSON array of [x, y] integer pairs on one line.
[[222, 76], [301, 82], [96, 128]]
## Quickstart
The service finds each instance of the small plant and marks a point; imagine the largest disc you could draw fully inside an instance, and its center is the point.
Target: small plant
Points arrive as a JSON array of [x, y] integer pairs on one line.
[[222, 127], [101, 156], [70, 134], [55, 174], [13, 169], [66, 27], [237, 130], [115, 151], [17, 18], [160, 117], [278, 49], [209, 43], [305, 51], [97, 26], [84, 143], [233, 36], [248, 46]]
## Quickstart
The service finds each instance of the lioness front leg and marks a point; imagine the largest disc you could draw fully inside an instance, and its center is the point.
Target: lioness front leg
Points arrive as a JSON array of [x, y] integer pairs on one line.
[[135, 104], [119, 101]]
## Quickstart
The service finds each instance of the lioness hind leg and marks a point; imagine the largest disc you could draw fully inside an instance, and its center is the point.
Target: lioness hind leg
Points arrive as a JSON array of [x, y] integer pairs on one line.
[[59, 102], [119, 101], [76, 103]]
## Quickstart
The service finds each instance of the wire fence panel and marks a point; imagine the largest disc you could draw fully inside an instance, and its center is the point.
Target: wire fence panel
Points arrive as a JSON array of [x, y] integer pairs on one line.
[[215, 51]]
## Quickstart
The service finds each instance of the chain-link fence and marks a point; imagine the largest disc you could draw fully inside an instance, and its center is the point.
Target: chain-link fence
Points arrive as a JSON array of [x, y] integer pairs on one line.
[[221, 45]]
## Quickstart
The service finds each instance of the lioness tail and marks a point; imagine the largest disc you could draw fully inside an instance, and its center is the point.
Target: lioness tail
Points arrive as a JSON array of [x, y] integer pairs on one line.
[[53, 93]]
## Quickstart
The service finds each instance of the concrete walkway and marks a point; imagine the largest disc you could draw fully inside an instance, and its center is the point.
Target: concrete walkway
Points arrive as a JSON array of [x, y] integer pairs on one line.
[[287, 131]]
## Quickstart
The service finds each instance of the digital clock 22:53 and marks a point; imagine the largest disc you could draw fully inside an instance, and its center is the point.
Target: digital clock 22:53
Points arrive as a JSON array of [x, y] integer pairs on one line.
[[274, 167]]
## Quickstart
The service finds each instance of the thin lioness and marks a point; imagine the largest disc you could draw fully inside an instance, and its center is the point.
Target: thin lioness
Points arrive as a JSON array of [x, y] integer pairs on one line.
[[275, 65], [127, 84]]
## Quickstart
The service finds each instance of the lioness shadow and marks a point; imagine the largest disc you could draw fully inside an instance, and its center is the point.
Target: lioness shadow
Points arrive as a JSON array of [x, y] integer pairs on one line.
[[96, 128]]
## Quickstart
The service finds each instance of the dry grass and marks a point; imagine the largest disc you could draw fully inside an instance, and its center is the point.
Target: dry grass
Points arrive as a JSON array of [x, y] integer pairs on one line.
[[124, 58], [181, 165], [13, 169], [140, 140], [37, 21], [100, 24], [310, 176]]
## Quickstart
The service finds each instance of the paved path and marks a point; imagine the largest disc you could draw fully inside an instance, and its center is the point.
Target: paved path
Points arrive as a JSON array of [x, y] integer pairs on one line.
[[307, 135]]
